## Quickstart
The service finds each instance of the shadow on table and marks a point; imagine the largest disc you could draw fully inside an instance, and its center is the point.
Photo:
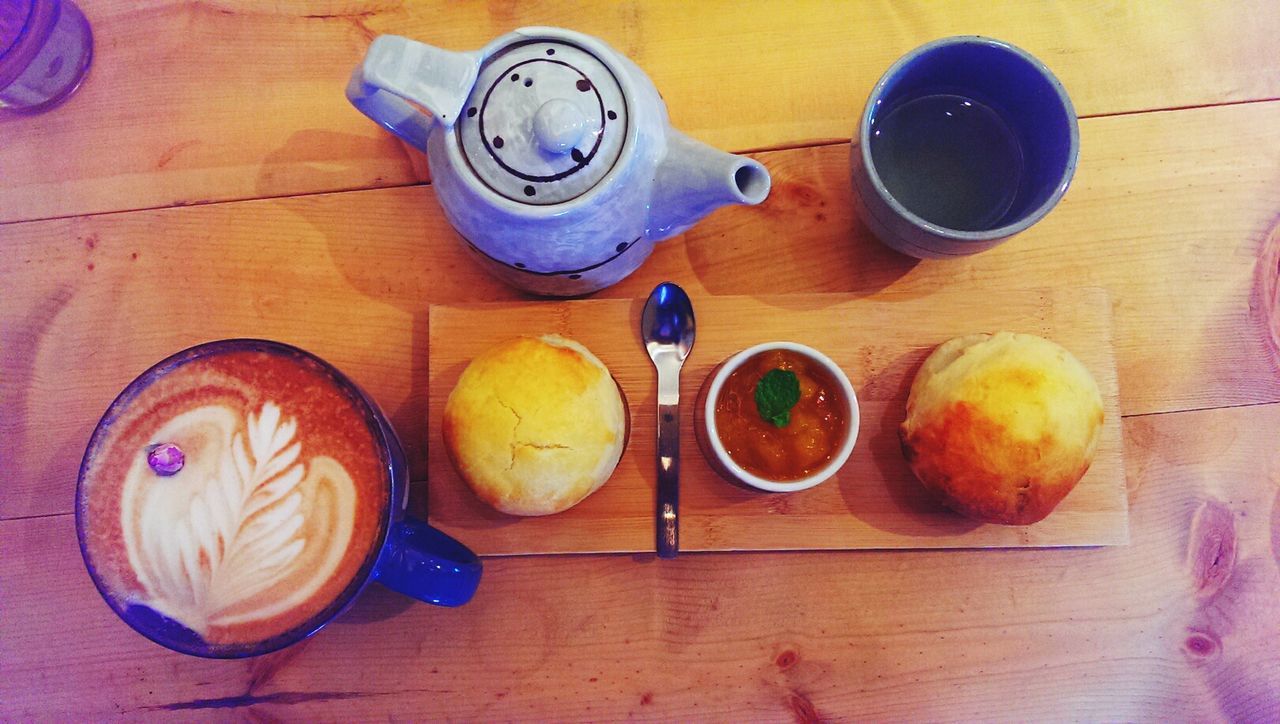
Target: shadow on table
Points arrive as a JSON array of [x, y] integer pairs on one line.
[[318, 159], [392, 246], [905, 507], [377, 603], [811, 230]]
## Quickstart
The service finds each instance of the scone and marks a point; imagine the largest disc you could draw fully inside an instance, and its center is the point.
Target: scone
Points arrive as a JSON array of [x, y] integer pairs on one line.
[[535, 425], [1002, 426]]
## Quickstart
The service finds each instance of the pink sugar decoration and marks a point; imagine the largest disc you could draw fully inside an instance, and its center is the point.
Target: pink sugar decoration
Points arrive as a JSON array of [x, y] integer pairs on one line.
[[165, 459]]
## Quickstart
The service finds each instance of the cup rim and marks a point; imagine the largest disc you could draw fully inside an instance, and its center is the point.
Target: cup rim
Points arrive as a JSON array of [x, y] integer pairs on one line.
[[340, 603], [959, 235], [722, 455]]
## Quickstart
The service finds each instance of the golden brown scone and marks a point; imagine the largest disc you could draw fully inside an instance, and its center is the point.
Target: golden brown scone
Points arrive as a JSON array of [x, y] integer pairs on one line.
[[535, 425], [1002, 426]]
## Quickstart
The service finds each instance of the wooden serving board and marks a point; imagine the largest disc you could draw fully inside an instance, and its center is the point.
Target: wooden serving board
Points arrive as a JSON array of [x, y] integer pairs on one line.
[[873, 502]]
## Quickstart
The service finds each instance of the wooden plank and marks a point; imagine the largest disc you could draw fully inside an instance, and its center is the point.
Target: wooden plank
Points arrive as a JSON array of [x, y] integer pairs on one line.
[[1169, 212], [873, 502], [232, 99], [1180, 625]]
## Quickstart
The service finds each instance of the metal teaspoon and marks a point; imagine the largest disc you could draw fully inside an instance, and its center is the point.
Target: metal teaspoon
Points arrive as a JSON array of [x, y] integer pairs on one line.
[[666, 326]]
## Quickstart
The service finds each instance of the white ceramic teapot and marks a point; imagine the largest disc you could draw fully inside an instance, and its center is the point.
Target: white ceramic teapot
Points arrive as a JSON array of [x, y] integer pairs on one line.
[[550, 153]]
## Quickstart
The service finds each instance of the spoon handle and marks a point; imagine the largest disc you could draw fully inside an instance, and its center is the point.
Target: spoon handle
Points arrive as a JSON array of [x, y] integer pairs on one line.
[[668, 509]]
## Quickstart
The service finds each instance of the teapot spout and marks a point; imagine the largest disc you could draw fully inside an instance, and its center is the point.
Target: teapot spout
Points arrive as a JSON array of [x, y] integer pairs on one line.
[[695, 179]]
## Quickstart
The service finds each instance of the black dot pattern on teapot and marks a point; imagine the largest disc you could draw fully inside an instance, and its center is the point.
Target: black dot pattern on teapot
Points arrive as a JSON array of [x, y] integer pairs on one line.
[[574, 274], [579, 158], [496, 129]]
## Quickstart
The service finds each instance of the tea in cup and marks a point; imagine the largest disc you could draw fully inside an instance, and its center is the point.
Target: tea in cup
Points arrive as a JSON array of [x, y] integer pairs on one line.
[[963, 143]]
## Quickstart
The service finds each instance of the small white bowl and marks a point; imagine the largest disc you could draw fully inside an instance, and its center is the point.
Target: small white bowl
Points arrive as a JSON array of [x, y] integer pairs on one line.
[[725, 464]]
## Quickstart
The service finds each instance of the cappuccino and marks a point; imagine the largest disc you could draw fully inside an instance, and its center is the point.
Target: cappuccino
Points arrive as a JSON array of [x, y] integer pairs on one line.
[[233, 497]]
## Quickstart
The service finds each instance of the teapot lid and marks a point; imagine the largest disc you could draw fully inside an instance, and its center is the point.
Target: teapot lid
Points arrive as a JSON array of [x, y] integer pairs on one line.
[[545, 122]]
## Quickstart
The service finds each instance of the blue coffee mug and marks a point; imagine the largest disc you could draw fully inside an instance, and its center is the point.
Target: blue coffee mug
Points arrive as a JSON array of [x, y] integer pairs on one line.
[[964, 142], [406, 555]]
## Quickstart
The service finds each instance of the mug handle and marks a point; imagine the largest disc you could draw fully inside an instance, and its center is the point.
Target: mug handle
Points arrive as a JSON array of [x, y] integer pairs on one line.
[[396, 71], [423, 563]]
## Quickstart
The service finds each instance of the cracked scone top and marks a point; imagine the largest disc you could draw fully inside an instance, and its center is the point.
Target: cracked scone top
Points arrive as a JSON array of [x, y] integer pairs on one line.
[[535, 425], [1002, 426]]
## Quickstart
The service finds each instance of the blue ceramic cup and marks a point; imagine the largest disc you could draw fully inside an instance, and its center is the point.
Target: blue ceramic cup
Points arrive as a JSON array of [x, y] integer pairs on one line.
[[964, 142], [139, 579]]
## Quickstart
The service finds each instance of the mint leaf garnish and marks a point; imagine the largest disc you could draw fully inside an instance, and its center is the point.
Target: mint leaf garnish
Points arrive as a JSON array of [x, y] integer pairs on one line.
[[776, 393]]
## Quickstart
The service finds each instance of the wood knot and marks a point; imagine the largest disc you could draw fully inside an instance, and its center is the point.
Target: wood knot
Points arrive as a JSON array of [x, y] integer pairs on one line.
[[786, 660], [1201, 645], [1211, 551], [803, 709], [803, 195], [779, 505]]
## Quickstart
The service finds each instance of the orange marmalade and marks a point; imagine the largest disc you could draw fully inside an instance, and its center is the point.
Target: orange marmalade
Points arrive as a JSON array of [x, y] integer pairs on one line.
[[806, 444]]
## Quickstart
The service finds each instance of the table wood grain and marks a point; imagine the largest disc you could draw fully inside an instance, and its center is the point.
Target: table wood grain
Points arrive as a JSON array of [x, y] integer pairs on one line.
[[1179, 625], [209, 181], [210, 100], [92, 301]]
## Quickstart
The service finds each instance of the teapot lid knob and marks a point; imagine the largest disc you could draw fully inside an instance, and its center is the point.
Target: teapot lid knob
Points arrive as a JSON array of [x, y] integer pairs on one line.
[[558, 125], [546, 121]]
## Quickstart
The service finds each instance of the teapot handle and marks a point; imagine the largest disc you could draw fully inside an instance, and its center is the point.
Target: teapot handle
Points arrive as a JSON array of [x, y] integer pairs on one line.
[[397, 70]]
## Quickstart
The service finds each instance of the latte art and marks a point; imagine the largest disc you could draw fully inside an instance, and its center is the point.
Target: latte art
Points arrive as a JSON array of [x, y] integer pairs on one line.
[[248, 529], [233, 497]]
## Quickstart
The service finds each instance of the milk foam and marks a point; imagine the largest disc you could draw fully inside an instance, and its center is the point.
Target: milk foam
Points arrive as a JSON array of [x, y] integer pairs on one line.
[[247, 530]]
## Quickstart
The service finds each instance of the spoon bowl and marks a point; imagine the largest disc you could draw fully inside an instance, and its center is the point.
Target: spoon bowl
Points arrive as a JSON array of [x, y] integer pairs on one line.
[[667, 323]]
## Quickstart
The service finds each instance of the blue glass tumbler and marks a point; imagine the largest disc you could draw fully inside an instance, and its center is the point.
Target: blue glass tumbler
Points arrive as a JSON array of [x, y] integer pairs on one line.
[[46, 47]]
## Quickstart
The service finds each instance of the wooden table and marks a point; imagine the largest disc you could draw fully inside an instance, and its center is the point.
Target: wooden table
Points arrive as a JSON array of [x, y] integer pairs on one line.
[[210, 180]]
